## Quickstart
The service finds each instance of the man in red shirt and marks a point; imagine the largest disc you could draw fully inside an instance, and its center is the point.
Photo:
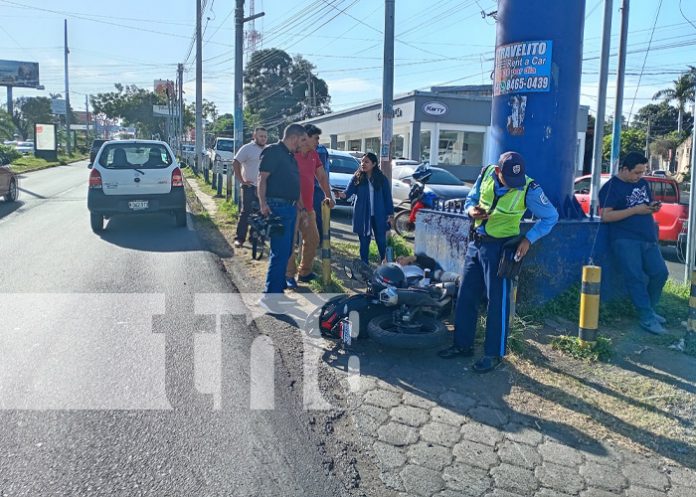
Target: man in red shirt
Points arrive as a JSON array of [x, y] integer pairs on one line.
[[310, 167]]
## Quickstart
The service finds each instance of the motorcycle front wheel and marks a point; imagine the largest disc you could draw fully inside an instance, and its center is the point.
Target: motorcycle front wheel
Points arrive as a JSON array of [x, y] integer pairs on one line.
[[383, 330], [403, 227]]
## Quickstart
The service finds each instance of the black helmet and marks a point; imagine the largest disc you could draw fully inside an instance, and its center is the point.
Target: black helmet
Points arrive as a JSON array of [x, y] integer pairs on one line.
[[388, 275], [422, 173]]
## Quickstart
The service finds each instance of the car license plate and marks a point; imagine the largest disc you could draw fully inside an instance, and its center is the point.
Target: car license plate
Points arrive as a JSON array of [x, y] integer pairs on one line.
[[138, 205]]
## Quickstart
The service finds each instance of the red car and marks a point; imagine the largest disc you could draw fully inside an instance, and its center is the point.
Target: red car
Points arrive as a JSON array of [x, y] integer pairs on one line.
[[671, 218]]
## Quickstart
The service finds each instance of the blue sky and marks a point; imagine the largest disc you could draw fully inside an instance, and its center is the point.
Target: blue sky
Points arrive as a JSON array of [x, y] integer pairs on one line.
[[438, 42]]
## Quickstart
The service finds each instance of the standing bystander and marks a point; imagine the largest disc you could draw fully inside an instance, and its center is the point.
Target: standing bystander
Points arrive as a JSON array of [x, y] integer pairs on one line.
[[279, 194], [311, 171], [627, 208], [246, 171]]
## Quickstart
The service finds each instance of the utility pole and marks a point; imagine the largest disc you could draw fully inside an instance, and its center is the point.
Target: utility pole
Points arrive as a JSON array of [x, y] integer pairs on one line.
[[601, 106], [199, 91], [620, 73], [180, 93], [87, 119], [68, 148], [239, 21], [647, 144], [691, 227], [10, 110], [388, 90]]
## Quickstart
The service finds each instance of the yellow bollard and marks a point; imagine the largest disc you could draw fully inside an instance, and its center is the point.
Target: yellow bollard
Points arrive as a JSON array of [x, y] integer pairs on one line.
[[691, 322], [589, 303], [326, 243]]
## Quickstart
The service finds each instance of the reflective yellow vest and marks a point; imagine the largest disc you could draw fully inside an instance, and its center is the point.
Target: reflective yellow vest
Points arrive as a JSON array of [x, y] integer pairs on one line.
[[505, 219]]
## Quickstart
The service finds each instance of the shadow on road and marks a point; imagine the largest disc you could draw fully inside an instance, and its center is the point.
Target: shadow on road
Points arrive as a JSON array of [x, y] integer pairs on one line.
[[149, 233], [8, 208]]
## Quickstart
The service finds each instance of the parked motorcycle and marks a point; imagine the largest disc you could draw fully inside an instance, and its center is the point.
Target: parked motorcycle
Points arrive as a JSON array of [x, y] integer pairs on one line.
[[418, 198], [401, 307]]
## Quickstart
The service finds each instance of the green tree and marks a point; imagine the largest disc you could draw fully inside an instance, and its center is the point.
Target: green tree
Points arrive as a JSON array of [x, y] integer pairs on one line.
[[134, 106], [632, 140], [666, 146], [663, 119], [682, 93], [31, 110], [7, 126], [224, 125], [280, 90]]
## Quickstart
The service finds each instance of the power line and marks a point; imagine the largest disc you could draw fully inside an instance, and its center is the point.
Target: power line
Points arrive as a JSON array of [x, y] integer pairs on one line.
[[684, 16], [647, 52]]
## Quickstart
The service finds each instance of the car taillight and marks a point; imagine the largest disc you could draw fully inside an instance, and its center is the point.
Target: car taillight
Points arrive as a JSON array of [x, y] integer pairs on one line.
[[95, 179], [177, 179]]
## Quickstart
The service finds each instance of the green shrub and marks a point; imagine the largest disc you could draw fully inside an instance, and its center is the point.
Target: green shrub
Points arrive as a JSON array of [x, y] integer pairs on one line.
[[8, 154], [587, 351]]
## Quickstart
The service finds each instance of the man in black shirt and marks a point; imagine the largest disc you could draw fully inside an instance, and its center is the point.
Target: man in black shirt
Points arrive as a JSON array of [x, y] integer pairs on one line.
[[279, 194]]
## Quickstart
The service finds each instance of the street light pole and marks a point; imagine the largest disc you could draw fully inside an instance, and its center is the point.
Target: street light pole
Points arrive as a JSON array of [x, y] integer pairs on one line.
[[68, 149], [601, 107], [388, 90], [620, 73], [691, 226], [199, 91]]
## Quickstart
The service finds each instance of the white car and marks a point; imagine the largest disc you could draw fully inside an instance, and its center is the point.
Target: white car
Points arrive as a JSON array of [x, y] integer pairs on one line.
[[135, 177], [342, 167], [222, 153]]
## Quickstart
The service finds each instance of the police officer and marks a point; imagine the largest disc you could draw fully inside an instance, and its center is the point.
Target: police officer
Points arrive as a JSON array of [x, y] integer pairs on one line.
[[501, 195]]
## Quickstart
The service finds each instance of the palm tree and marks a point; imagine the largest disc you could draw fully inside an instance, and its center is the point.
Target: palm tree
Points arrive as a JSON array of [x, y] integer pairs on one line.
[[682, 93]]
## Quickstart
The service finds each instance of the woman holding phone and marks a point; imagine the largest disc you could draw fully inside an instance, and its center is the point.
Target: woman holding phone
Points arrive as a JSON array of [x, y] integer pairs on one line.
[[373, 211]]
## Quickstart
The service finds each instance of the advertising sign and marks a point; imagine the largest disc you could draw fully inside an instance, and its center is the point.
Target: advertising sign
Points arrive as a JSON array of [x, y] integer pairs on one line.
[[19, 74], [435, 108], [45, 137], [58, 106], [523, 67]]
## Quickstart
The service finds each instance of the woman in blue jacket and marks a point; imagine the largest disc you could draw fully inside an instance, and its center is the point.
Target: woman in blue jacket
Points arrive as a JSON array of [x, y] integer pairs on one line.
[[373, 209]]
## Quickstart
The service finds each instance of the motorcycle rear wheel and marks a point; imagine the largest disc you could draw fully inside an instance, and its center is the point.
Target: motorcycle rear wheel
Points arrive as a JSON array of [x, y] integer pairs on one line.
[[402, 225], [383, 330]]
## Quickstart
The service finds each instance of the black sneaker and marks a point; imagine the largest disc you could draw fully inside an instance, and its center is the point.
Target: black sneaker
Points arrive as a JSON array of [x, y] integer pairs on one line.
[[486, 364], [308, 277], [454, 352]]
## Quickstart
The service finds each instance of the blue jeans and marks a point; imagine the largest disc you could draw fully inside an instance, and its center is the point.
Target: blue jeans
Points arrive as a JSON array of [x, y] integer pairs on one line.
[[380, 238], [481, 278], [644, 271], [281, 246]]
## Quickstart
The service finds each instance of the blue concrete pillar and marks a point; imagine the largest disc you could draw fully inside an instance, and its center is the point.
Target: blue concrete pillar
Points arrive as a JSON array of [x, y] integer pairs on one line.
[[536, 91]]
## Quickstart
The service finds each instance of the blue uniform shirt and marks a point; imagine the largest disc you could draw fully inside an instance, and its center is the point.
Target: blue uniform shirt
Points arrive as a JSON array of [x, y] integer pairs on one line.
[[536, 202]]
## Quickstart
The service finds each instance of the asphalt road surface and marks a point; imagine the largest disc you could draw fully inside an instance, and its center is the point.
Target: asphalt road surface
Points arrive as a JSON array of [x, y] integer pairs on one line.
[[112, 382]]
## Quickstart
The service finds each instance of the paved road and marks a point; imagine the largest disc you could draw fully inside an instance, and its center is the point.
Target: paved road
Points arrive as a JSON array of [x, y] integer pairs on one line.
[[108, 383]]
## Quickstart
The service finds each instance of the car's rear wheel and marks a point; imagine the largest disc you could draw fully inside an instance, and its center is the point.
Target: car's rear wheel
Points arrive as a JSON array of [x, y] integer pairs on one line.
[[180, 216], [96, 221], [12, 193]]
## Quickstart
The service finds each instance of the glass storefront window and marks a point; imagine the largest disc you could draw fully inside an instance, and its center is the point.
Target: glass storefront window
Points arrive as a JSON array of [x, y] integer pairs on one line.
[[354, 145], [372, 145], [460, 148], [424, 146], [341, 146], [398, 146]]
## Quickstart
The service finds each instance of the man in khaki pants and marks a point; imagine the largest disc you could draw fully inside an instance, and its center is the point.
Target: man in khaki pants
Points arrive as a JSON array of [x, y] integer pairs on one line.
[[310, 167]]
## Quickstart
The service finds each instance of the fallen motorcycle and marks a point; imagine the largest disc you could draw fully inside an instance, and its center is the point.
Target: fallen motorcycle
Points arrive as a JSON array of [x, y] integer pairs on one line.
[[400, 308]]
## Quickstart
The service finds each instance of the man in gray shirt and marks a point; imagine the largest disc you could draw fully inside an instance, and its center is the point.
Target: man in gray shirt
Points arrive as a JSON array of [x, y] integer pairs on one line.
[[246, 171]]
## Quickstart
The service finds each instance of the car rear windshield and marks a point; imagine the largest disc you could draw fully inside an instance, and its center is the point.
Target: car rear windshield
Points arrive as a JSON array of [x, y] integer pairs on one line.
[[135, 156], [346, 165], [225, 146]]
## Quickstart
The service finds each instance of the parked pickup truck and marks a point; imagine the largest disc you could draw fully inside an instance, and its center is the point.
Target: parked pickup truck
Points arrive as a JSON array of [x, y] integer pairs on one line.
[[222, 153], [671, 218]]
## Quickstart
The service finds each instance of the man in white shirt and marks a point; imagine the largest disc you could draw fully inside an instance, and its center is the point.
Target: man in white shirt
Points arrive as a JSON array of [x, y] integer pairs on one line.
[[246, 171]]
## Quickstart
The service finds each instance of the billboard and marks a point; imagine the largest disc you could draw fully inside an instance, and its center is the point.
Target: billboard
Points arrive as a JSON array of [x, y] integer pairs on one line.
[[45, 135], [19, 74]]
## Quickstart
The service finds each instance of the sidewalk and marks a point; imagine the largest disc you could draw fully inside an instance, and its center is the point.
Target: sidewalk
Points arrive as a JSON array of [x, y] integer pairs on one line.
[[423, 426]]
